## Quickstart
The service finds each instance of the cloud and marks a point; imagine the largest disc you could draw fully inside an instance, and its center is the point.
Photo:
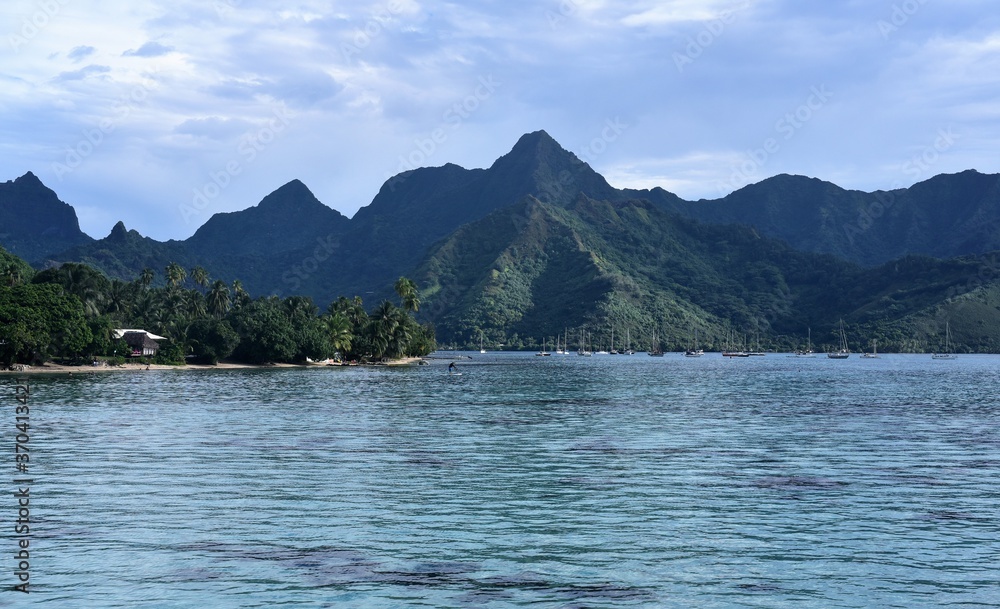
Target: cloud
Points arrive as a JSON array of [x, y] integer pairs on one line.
[[213, 127], [681, 11], [82, 73], [297, 87], [150, 49], [80, 52], [368, 83]]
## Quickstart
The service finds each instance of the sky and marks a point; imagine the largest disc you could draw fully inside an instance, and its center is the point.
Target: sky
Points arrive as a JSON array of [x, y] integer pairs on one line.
[[161, 113]]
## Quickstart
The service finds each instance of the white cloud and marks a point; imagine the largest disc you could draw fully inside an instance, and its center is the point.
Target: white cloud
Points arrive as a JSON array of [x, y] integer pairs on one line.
[[681, 11], [150, 49], [81, 52]]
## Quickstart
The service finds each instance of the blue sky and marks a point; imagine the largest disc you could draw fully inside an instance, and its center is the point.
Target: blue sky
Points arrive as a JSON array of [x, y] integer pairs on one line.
[[162, 113]]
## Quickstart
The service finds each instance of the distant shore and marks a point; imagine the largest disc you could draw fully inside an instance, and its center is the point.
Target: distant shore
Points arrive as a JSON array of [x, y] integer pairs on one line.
[[51, 368]]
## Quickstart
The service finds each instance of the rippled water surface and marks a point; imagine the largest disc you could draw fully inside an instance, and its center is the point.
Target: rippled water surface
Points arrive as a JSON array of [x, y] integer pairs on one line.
[[609, 481]]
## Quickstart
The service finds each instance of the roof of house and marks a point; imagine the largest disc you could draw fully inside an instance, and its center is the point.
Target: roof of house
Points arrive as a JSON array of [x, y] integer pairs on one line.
[[121, 332]]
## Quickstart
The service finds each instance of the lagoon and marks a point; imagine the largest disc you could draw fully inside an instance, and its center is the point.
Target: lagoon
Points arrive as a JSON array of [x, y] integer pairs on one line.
[[610, 481]]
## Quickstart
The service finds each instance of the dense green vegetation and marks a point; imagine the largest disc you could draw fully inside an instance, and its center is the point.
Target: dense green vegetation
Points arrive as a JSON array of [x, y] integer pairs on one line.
[[69, 312], [526, 274]]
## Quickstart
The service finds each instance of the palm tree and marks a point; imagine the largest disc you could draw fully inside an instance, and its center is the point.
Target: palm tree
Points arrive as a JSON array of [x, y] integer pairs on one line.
[[175, 274], [296, 306], [200, 276], [146, 308], [338, 329], [401, 335], [352, 309], [384, 322], [146, 278], [195, 305], [84, 283], [118, 299], [218, 299], [175, 304], [240, 296], [407, 291]]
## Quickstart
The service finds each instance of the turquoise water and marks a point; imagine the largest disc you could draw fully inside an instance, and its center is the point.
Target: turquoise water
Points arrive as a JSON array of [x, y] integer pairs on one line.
[[609, 481]]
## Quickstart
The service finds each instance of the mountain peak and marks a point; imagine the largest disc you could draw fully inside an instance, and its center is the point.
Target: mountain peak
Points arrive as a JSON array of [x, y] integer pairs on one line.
[[283, 220], [293, 195], [539, 165], [29, 179], [535, 140], [119, 232], [538, 147], [45, 225]]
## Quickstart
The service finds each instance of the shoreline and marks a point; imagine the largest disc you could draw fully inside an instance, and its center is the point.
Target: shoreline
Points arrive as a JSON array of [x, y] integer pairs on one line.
[[51, 368]]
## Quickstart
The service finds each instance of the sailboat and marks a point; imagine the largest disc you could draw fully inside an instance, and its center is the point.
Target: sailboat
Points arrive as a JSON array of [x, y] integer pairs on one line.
[[600, 352], [874, 353], [757, 352], [655, 351], [613, 351], [543, 352], [481, 348], [730, 351], [583, 351], [947, 345], [844, 352], [694, 351], [628, 344], [808, 350]]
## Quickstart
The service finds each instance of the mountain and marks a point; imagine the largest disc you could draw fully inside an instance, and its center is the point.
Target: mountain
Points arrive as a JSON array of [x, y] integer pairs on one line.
[[945, 216], [288, 219], [528, 272], [124, 253], [34, 223], [417, 208], [539, 241]]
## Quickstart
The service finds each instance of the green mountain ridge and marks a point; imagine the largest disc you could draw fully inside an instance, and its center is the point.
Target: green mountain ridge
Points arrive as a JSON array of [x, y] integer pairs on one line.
[[526, 274], [540, 241], [944, 216]]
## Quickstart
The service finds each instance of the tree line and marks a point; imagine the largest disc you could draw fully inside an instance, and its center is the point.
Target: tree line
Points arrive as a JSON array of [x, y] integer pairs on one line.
[[70, 313]]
